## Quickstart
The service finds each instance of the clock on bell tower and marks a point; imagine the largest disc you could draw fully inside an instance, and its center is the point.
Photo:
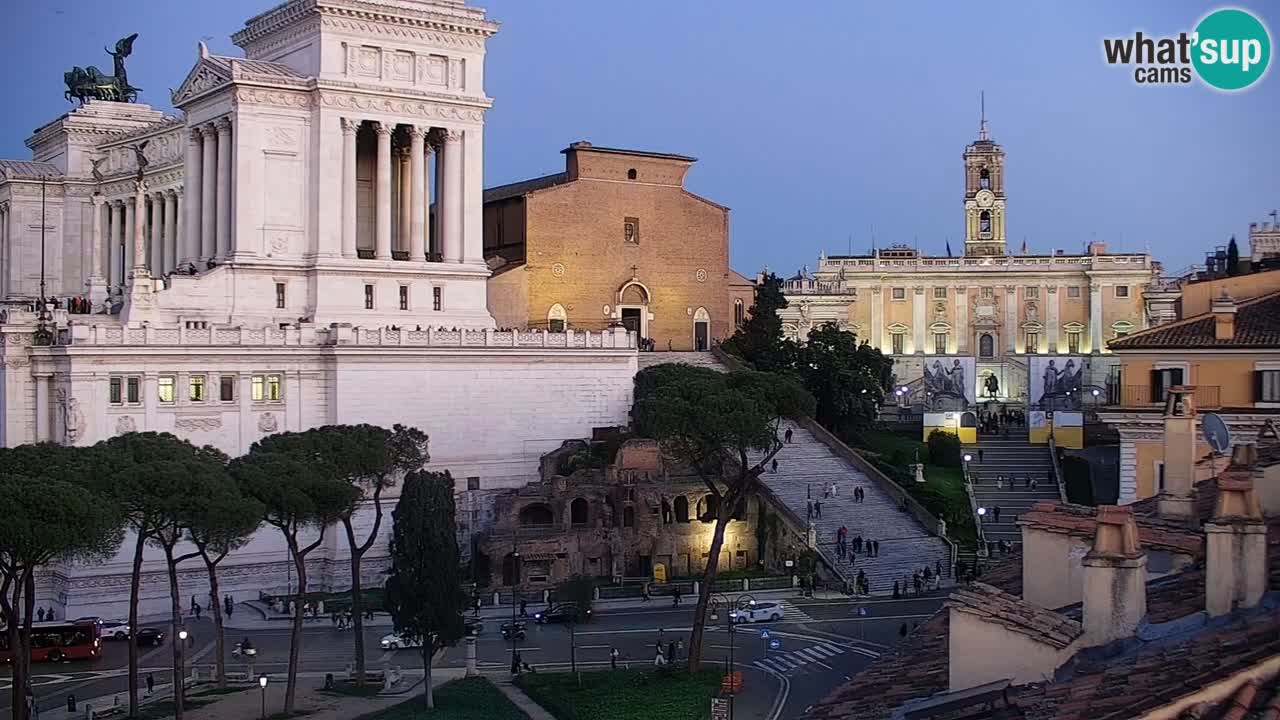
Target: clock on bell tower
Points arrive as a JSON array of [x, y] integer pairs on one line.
[[984, 199]]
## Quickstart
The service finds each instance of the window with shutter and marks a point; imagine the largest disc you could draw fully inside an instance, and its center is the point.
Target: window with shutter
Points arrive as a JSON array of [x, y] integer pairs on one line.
[[1266, 386]]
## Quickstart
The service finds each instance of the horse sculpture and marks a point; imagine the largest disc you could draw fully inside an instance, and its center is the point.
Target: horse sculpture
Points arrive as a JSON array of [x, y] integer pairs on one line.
[[91, 84]]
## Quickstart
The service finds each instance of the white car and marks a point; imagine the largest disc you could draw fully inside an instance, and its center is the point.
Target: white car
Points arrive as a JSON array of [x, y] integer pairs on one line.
[[395, 641], [109, 629], [759, 612]]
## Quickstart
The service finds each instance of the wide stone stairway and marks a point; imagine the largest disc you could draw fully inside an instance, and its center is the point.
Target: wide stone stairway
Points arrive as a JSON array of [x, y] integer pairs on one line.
[[1015, 460], [807, 466]]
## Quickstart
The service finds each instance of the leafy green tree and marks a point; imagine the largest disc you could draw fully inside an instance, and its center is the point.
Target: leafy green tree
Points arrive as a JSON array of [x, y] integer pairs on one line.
[[714, 422], [161, 481], [759, 341], [373, 459], [848, 379], [424, 592], [51, 514], [944, 449], [297, 495], [224, 521]]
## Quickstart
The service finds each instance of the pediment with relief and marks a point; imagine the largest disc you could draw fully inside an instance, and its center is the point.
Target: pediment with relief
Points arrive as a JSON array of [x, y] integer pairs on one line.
[[205, 76]]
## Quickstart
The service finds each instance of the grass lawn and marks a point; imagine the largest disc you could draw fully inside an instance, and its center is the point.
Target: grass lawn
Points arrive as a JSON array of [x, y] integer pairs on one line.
[[943, 490], [466, 699], [164, 708], [624, 694]]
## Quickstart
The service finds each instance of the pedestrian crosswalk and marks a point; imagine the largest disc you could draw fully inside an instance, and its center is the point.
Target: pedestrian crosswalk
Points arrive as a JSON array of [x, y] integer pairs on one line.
[[791, 613], [786, 662]]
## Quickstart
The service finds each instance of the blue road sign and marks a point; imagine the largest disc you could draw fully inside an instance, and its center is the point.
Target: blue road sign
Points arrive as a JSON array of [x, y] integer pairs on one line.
[[775, 644], [764, 634]]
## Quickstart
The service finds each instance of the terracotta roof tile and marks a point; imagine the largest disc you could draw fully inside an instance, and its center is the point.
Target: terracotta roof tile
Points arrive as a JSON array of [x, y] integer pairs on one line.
[[1016, 614], [1079, 520], [1257, 324]]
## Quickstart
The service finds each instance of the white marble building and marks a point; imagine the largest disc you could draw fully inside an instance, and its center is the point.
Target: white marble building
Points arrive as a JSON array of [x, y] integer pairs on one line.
[[304, 248]]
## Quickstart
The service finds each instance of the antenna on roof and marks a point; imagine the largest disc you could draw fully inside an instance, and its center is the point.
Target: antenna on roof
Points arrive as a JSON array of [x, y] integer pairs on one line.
[[982, 124]]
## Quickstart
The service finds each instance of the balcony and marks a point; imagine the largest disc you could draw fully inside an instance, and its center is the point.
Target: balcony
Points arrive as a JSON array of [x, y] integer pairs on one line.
[[1146, 397]]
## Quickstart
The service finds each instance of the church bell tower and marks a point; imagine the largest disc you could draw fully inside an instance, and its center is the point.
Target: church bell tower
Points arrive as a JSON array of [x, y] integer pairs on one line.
[[984, 200]]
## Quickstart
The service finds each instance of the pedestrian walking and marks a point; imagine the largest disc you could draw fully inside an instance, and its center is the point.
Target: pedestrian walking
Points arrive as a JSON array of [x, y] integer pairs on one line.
[[788, 436], [644, 589], [877, 544], [516, 662], [809, 510], [524, 604], [775, 466], [997, 513], [675, 596], [937, 567], [834, 490], [817, 509], [40, 614], [613, 658], [1033, 483], [659, 660], [193, 603], [151, 684], [228, 604], [896, 593]]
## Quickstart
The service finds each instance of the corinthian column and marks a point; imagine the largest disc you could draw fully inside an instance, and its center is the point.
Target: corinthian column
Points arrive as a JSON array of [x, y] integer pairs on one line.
[[155, 253], [403, 218], [170, 259], [224, 188], [452, 196], [191, 177], [418, 193], [382, 240], [139, 231], [115, 239], [97, 283], [208, 193], [131, 234], [349, 128]]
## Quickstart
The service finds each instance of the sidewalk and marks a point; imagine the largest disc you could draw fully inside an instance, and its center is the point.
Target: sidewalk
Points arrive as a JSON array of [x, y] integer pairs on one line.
[[517, 697]]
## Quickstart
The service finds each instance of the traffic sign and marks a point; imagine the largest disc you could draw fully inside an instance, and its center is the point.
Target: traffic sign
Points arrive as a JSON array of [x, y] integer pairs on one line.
[[764, 634], [719, 709], [775, 644]]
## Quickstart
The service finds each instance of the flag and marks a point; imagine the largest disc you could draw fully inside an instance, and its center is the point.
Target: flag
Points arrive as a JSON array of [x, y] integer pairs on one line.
[[948, 248]]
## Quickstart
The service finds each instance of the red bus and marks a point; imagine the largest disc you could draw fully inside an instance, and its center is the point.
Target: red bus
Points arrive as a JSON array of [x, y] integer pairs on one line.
[[58, 641]]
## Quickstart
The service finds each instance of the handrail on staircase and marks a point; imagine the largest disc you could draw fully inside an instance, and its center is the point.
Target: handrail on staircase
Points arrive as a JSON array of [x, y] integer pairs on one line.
[[973, 507], [1057, 470]]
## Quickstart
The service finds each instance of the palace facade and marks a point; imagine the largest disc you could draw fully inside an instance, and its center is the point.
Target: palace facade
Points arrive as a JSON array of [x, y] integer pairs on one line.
[[302, 244], [1003, 309]]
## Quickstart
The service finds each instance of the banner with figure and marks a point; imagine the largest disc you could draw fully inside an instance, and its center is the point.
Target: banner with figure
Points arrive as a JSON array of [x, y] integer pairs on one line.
[[949, 381], [1055, 382]]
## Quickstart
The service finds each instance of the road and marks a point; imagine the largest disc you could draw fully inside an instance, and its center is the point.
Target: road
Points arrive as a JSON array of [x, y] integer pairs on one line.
[[819, 644]]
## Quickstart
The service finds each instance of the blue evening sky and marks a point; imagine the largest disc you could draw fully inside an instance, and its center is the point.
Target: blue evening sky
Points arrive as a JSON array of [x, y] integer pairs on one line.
[[814, 121]]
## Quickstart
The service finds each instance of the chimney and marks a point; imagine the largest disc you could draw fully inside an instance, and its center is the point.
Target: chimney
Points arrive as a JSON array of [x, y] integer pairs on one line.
[[1097, 248], [1115, 578], [1236, 564], [1180, 442], [1224, 317]]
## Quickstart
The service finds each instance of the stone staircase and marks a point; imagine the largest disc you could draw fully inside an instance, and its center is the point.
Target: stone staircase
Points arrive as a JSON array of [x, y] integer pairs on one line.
[[697, 359], [1014, 459], [806, 466]]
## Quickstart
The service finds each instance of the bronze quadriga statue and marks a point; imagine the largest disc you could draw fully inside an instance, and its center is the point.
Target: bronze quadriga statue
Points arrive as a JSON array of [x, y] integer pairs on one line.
[[91, 84]]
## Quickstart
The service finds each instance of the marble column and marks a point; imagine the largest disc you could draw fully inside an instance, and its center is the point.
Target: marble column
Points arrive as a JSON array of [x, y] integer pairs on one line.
[[1095, 317], [224, 188], [1011, 319], [350, 127], [168, 258], [139, 230], [208, 194], [115, 239], [418, 193], [5, 266], [473, 197], [191, 177], [917, 321], [382, 239], [95, 267], [42, 408], [404, 211], [962, 320], [452, 196], [155, 262], [437, 198], [876, 332], [131, 236], [1051, 323]]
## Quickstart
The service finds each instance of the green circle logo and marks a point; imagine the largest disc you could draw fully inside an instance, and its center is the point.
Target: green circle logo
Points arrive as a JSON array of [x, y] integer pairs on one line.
[[1231, 49]]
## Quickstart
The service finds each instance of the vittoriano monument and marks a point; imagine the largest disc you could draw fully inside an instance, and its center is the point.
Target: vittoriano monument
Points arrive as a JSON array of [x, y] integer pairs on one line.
[[90, 84]]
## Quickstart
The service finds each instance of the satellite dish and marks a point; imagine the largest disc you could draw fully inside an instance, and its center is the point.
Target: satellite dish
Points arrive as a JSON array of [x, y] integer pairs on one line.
[[1216, 433]]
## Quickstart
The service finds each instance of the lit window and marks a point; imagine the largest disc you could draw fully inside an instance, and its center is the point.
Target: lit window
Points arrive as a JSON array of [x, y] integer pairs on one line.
[[1033, 342], [404, 297], [227, 388], [939, 293], [437, 298], [1073, 342], [1073, 292], [133, 390], [1122, 291], [739, 312], [116, 392], [280, 295], [368, 297], [940, 343], [265, 388], [899, 293], [164, 389], [195, 388], [1033, 293], [899, 342]]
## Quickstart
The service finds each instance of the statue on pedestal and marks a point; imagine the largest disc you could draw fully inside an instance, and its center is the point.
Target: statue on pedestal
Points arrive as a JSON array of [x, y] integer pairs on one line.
[[91, 84]]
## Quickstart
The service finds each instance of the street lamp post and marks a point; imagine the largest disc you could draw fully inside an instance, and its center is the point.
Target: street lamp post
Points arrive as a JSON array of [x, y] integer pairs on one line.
[[262, 683], [179, 685], [717, 602], [515, 600]]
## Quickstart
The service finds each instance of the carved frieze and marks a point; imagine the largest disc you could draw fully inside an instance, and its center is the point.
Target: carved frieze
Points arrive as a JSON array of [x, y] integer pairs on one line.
[[267, 423], [278, 98], [125, 424], [198, 424], [403, 108]]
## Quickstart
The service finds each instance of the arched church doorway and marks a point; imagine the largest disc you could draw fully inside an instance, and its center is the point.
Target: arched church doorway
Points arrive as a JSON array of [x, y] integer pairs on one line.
[[633, 307], [701, 330]]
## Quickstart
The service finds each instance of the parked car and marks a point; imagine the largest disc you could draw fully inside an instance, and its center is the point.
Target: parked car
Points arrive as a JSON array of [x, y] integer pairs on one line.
[[759, 612], [564, 612], [150, 637]]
